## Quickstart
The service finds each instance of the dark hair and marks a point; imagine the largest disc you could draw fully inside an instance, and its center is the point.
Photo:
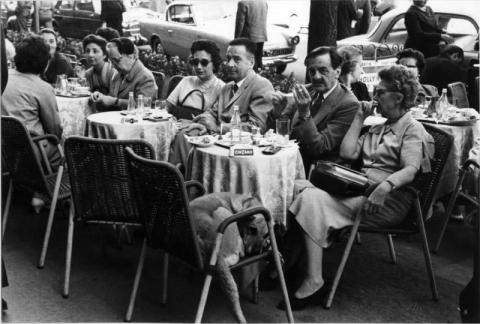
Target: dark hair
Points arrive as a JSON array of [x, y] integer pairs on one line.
[[404, 82], [107, 33], [250, 46], [32, 55], [124, 45], [350, 55], [209, 47], [335, 58], [451, 49], [412, 53], [95, 39]]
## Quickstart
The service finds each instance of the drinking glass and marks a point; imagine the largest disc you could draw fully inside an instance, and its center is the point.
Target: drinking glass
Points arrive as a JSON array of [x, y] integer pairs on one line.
[[147, 104], [61, 84], [161, 107], [224, 128], [72, 84], [283, 130], [256, 135]]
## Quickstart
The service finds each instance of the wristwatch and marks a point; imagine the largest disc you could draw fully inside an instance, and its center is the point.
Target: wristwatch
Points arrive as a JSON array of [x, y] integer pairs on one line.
[[116, 102], [391, 184]]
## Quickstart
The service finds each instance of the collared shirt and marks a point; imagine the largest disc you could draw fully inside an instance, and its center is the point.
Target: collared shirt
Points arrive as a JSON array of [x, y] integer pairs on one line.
[[388, 148], [326, 94]]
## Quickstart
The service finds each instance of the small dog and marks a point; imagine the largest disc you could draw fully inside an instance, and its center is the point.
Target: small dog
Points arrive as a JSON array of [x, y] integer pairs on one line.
[[245, 239]]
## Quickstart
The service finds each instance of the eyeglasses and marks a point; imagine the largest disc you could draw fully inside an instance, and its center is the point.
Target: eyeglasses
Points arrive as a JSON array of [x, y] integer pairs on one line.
[[203, 62], [377, 92]]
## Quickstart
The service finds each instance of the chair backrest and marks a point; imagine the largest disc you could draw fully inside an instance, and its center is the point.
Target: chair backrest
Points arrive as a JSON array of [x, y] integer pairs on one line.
[[427, 183], [19, 156], [99, 179], [174, 81], [160, 81], [459, 92], [163, 202]]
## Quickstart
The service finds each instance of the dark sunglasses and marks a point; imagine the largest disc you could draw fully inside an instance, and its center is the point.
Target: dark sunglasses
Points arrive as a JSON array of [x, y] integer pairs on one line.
[[203, 62]]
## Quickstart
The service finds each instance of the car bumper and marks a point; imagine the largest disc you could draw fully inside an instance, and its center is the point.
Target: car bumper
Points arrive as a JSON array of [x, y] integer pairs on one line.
[[279, 60]]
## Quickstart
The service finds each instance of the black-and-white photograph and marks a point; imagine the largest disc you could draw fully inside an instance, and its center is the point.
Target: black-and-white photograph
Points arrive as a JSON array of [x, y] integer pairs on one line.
[[234, 161]]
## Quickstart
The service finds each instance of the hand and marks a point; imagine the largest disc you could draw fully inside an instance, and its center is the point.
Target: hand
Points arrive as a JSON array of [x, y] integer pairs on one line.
[[279, 101], [377, 198], [195, 129], [104, 24], [302, 99], [366, 108], [95, 96], [105, 100], [79, 72]]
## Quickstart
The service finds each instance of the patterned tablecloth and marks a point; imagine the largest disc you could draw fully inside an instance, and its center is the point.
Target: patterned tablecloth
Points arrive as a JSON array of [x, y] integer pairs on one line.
[[270, 178], [109, 125], [73, 113]]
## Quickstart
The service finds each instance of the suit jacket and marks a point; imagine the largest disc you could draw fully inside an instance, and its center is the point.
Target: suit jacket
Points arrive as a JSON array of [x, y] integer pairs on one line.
[[345, 14], [440, 71], [423, 31], [320, 136], [251, 20], [140, 80], [364, 20], [253, 98]]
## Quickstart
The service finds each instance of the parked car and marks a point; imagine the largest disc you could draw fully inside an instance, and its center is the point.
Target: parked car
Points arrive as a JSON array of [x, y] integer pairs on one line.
[[78, 18], [184, 22], [388, 36]]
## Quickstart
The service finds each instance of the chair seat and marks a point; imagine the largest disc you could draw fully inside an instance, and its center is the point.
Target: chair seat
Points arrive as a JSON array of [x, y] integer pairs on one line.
[[64, 185]]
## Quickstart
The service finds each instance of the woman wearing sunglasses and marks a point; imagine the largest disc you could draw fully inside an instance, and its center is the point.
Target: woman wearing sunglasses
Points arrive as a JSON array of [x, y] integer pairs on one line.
[[392, 153], [205, 61]]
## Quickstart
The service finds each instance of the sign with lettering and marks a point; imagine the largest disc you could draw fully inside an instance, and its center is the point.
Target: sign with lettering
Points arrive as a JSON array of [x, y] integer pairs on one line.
[[241, 150]]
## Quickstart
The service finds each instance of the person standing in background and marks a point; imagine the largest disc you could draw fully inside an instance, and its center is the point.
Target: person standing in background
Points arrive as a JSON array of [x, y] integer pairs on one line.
[[364, 16], [346, 15], [251, 23], [112, 14], [424, 33]]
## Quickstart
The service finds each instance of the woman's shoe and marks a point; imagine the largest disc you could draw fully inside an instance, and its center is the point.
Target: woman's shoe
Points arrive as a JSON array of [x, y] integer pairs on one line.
[[37, 204], [316, 298]]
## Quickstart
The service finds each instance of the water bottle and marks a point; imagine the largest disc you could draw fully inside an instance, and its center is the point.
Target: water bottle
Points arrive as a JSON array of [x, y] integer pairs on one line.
[[140, 107], [236, 124], [442, 105], [131, 104]]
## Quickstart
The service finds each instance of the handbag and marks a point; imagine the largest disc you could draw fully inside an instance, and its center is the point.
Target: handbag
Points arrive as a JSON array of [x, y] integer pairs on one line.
[[338, 180], [183, 111]]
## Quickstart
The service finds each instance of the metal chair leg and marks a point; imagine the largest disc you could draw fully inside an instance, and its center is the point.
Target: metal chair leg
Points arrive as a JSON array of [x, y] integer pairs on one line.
[[391, 248], [7, 206], [208, 279], [346, 253], [51, 214], [68, 262], [281, 277], [426, 250], [255, 289], [164, 278], [448, 212], [136, 281]]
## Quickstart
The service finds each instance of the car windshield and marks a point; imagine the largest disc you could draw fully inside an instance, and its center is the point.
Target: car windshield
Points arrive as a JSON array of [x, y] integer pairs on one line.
[[206, 12]]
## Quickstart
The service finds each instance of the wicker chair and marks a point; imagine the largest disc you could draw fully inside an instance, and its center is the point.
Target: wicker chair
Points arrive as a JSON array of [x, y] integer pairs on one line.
[[457, 194], [170, 226], [101, 186], [424, 189], [31, 172], [174, 81], [459, 92], [160, 81]]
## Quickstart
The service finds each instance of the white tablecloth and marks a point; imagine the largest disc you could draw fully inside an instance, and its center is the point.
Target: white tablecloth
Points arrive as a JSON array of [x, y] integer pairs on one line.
[[73, 113], [109, 125], [270, 178]]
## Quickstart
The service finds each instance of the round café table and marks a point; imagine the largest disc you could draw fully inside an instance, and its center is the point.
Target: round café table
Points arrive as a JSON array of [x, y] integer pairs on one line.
[[73, 112], [270, 178], [112, 125]]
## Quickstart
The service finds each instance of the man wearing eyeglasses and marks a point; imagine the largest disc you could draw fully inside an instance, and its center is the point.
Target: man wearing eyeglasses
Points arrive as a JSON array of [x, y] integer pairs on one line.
[[132, 76], [321, 112]]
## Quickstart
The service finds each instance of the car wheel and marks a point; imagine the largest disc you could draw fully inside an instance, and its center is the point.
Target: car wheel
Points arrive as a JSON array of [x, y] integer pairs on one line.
[[157, 46]]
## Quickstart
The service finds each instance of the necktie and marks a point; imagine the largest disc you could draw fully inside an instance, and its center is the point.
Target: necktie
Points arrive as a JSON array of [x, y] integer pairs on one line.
[[316, 102], [233, 90]]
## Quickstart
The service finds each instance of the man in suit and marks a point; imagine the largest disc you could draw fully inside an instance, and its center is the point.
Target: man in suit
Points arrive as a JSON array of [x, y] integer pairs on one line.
[[251, 92], [133, 76], [322, 114], [251, 23]]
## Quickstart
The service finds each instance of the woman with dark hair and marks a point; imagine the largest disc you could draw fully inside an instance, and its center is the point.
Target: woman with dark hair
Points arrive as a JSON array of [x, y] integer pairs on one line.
[[415, 62], [392, 153], [58, 63], [423, 32], [22, 21], [99, 76], [205, 61], [30, 99], [351, 72]]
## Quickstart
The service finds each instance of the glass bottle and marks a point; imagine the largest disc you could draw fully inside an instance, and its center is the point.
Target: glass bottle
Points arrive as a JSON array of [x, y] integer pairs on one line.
[[131, 104], [236, 124], [140, 107], [442, 105]]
